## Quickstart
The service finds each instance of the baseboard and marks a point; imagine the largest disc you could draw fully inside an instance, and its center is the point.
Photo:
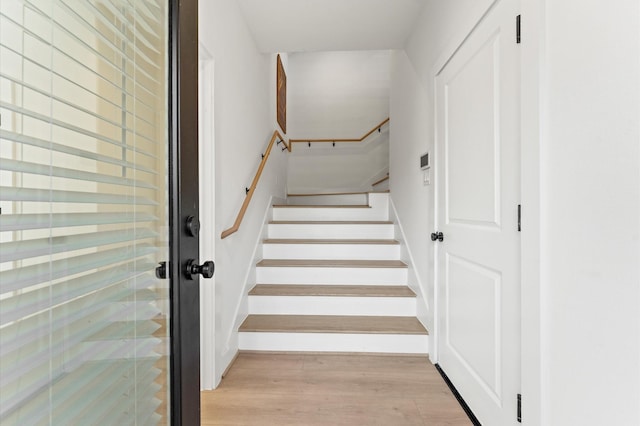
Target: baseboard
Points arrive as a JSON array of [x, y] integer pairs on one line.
[[233, 360]]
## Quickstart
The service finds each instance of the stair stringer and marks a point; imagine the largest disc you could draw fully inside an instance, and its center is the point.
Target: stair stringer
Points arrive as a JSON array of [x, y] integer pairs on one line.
[[231, 346], [414, 281]]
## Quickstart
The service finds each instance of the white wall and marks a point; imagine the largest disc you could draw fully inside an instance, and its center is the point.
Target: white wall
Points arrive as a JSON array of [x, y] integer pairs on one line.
[[581, 81], [243, 124], [347, 167], [341, 95], [337, 94], [590, 212]]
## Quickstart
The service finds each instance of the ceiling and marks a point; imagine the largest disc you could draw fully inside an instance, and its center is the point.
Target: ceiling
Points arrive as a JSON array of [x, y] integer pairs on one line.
[[328, 25]]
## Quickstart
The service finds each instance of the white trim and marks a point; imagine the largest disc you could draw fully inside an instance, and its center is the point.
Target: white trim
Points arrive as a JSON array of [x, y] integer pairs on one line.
[[206, 160], [533, 79]]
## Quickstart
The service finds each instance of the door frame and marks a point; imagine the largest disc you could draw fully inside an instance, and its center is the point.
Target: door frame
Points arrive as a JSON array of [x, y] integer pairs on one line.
[[206, 160], [184, 325]]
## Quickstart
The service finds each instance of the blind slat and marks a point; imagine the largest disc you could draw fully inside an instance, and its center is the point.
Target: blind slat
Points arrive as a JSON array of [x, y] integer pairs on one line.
[[78, 62], [33, 359], [8, 193], [98, 304], [72, 82], [65, 149], [106, 402], [145, 39], [19, 222], [46, 170], [19, 278], [24, 249], [31, 302], [75, 106], [73, 128], [78, 382], [93, 50]]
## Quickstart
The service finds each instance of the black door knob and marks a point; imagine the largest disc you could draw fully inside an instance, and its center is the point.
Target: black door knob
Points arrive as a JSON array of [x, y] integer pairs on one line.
[[192, 226], [193, 269], [437, 236], [161, 271]]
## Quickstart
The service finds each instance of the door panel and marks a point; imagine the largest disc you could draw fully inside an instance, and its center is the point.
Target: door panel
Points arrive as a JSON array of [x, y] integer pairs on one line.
[[478, 267], [473, 337], [472, 143]]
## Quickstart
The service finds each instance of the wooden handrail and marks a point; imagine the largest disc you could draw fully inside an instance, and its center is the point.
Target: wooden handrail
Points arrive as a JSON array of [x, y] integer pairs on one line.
[[378, 182], [366, 135], [254, 184]]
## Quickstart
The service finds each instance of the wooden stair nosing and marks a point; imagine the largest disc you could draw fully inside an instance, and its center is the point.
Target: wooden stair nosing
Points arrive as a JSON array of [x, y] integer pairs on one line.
[[386, 191], [342, 324], [321, 206], [327, 290], [330, 222], [329, 263], [329, 241], [317, 194]]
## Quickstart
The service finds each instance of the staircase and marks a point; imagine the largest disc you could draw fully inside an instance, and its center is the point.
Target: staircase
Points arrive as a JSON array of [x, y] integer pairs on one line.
[[331, 280]]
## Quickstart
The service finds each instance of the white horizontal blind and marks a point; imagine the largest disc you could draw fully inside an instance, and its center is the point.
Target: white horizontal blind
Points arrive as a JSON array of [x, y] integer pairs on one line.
[[83, 219]]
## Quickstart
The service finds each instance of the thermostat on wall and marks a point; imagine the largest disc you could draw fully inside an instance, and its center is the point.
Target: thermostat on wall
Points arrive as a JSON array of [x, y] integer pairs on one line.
[[425, 161]]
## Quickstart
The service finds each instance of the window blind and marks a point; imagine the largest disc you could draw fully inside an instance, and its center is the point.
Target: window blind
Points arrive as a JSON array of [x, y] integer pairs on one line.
[[83, 212]]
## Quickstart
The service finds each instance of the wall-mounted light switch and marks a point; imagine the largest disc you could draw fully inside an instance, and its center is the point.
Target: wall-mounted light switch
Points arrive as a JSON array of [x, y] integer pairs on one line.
[[426, 177]]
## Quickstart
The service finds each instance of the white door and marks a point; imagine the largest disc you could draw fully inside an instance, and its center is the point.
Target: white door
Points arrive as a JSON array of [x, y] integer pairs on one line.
[[478, 192]]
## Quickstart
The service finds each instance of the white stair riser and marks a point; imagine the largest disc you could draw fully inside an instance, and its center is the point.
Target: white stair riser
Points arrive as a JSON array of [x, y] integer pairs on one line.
[[332, 251], [313, 275], [330, 342], [323, 200], [332, 305], [326, 213], [332, 231]]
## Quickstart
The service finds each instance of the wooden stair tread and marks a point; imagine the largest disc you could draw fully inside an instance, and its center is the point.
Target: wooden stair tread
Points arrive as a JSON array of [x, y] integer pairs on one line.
[[320, 206], [328, 193], [332, 290], [330, 222], [319, 241], [386, 191], [332, 263], [332, 324]]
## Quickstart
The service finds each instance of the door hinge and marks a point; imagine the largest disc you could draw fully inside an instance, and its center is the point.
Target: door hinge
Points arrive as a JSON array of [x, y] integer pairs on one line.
[[519, 414], [518, 29], [519, 217]]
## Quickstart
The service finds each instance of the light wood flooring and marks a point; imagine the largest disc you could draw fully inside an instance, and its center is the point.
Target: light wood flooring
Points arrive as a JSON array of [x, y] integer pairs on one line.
[[331, 389]]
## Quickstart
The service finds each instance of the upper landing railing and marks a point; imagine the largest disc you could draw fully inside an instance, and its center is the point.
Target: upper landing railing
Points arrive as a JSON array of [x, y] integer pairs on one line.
[[377, 127]]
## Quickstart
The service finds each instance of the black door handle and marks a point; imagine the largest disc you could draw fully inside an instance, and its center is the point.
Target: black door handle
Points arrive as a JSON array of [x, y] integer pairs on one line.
[[193, 269], [437, 236], [161, 271]]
